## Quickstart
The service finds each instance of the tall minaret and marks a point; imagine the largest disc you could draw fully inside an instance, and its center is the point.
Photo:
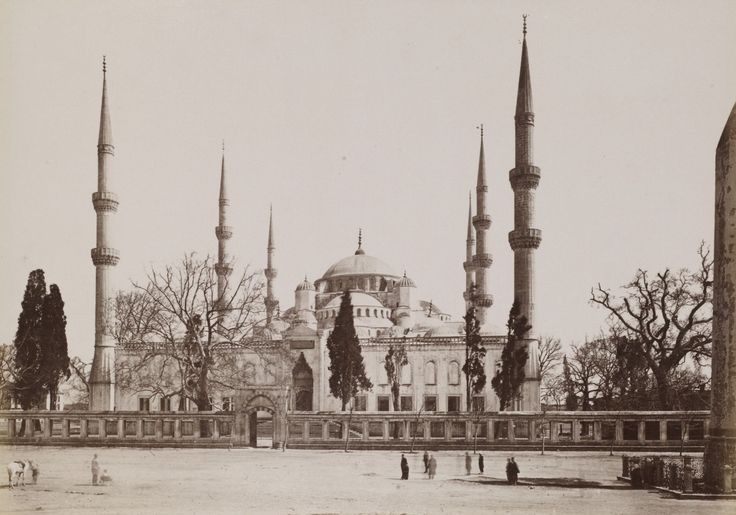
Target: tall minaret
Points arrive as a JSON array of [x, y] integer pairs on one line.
[[482, 260], [272, 302], [468, 264], [525, 239], [104, 257], [223, 267]]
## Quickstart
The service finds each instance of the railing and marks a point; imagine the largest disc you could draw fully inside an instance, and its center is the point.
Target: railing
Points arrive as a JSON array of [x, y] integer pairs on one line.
[[682, 473], [116, 428], [562, 429], [620, 429]]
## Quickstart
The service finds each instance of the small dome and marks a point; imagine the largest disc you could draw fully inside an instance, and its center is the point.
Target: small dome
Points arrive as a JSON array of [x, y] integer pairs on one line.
[[305, 285], [442, 330], [406, 282]]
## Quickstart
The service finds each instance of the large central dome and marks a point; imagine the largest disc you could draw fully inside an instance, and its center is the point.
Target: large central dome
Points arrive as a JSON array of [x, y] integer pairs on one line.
[[359, 264]]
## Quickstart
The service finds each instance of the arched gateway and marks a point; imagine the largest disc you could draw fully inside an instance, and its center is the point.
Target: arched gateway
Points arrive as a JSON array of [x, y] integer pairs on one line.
[[259, 422]]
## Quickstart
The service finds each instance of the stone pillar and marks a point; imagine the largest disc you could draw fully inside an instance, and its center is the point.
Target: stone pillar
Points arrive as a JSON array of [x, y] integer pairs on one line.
[[663, 430], [720, 446], [641, 431], [83, 428]]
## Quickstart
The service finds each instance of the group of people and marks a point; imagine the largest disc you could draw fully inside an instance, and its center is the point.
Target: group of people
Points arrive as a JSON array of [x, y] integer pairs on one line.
[[104, 479], [430, 467]]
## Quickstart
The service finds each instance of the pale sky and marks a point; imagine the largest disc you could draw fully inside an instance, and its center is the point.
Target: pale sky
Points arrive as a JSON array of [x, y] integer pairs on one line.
[[351, 114]]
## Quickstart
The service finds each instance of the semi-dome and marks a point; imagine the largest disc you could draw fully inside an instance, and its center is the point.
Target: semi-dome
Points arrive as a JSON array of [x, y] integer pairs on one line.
[[359, 264], [357, 299]]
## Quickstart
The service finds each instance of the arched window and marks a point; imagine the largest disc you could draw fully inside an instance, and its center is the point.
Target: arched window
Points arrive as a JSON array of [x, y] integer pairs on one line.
[[358, 312], [430, 373], [406, 374], [375, 313], [453, 373]]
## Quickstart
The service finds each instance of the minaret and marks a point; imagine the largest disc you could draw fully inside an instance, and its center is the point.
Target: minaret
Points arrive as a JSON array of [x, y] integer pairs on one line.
[[272, 302], [525, 239], [482, 260], [468, 264], [223, 267], [104, 257]]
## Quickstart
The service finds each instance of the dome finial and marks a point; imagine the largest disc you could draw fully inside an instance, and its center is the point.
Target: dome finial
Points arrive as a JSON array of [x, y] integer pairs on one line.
[[524, 30], [360, 250]]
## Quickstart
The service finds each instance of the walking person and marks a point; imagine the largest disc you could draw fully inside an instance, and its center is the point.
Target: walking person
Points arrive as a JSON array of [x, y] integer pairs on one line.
[[432, 467], [425, 458], [480, 463], [468, 463], [404, 468], [95, 467], [508, 470]]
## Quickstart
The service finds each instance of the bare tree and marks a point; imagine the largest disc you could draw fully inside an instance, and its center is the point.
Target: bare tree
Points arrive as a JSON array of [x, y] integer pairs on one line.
[[178, 338], [76, 388], [7, 377], [549, 356], [667, 319]]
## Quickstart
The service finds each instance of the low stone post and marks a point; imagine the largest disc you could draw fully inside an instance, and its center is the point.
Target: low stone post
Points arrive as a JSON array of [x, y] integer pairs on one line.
[[102, 428], [121, 428], [687, 475], [83, 428], [47, 422], [625, 465], [11, 428], [65, 428], [663, 430], [727, 479]]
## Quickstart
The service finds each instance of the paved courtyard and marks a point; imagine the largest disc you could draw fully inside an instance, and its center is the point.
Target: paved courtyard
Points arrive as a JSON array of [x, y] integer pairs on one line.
[[168, 481]]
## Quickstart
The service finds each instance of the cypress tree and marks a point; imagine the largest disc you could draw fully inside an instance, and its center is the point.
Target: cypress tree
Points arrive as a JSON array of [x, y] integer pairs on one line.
[[28, 389], [475, 353], [507, 381], [54, 353], [347, 371]]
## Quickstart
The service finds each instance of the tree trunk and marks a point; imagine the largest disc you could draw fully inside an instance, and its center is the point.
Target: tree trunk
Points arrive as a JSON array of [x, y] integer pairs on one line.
[[203, 401], [663, 391]]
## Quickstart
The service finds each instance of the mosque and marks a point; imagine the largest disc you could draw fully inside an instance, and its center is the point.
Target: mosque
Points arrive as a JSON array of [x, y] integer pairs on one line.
[[388, 310]]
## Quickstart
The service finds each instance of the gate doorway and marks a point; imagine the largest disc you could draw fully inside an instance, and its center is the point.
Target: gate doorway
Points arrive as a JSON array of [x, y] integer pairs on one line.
[[261, 429]]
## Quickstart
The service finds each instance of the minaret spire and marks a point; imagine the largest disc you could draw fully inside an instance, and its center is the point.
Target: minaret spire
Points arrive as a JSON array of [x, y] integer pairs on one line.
[[525, 239], [482, 260], [104, 257], [272, 303], [223, 232]]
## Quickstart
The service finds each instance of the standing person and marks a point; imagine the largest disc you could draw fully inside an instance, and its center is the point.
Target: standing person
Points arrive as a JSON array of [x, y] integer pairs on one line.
[[95, 469], [509, 474], [468, 463], [404, 468], [514, 471], [432, 467], [480, 463], [426, 461]]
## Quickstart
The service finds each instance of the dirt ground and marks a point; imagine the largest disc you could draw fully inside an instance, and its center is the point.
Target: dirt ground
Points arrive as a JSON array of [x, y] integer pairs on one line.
[[256, 481]]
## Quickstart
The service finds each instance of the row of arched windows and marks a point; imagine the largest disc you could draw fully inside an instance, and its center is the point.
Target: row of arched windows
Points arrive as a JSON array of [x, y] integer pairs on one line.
[[358, 312], [430, 373]]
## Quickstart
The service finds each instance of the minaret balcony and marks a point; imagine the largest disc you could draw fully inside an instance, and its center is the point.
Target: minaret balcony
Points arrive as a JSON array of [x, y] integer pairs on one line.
[[524, 177], [482, 222], [483, 300], [104, 201], [468, 266], [271, 273], [105, 256], [223, 268], [527, 238], [482, 260], [106, 148], [224, 232]]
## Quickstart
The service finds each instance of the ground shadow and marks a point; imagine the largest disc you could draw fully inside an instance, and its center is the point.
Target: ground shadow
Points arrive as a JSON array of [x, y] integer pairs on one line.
[[557, 482]]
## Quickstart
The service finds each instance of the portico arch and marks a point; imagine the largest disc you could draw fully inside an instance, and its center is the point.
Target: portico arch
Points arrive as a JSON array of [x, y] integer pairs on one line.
[[261, 421]]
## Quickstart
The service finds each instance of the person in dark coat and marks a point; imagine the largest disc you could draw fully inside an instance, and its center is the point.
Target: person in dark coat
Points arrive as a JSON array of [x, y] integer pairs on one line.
[[404, 468], [426, 462], [512, 471], [480, 463]]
